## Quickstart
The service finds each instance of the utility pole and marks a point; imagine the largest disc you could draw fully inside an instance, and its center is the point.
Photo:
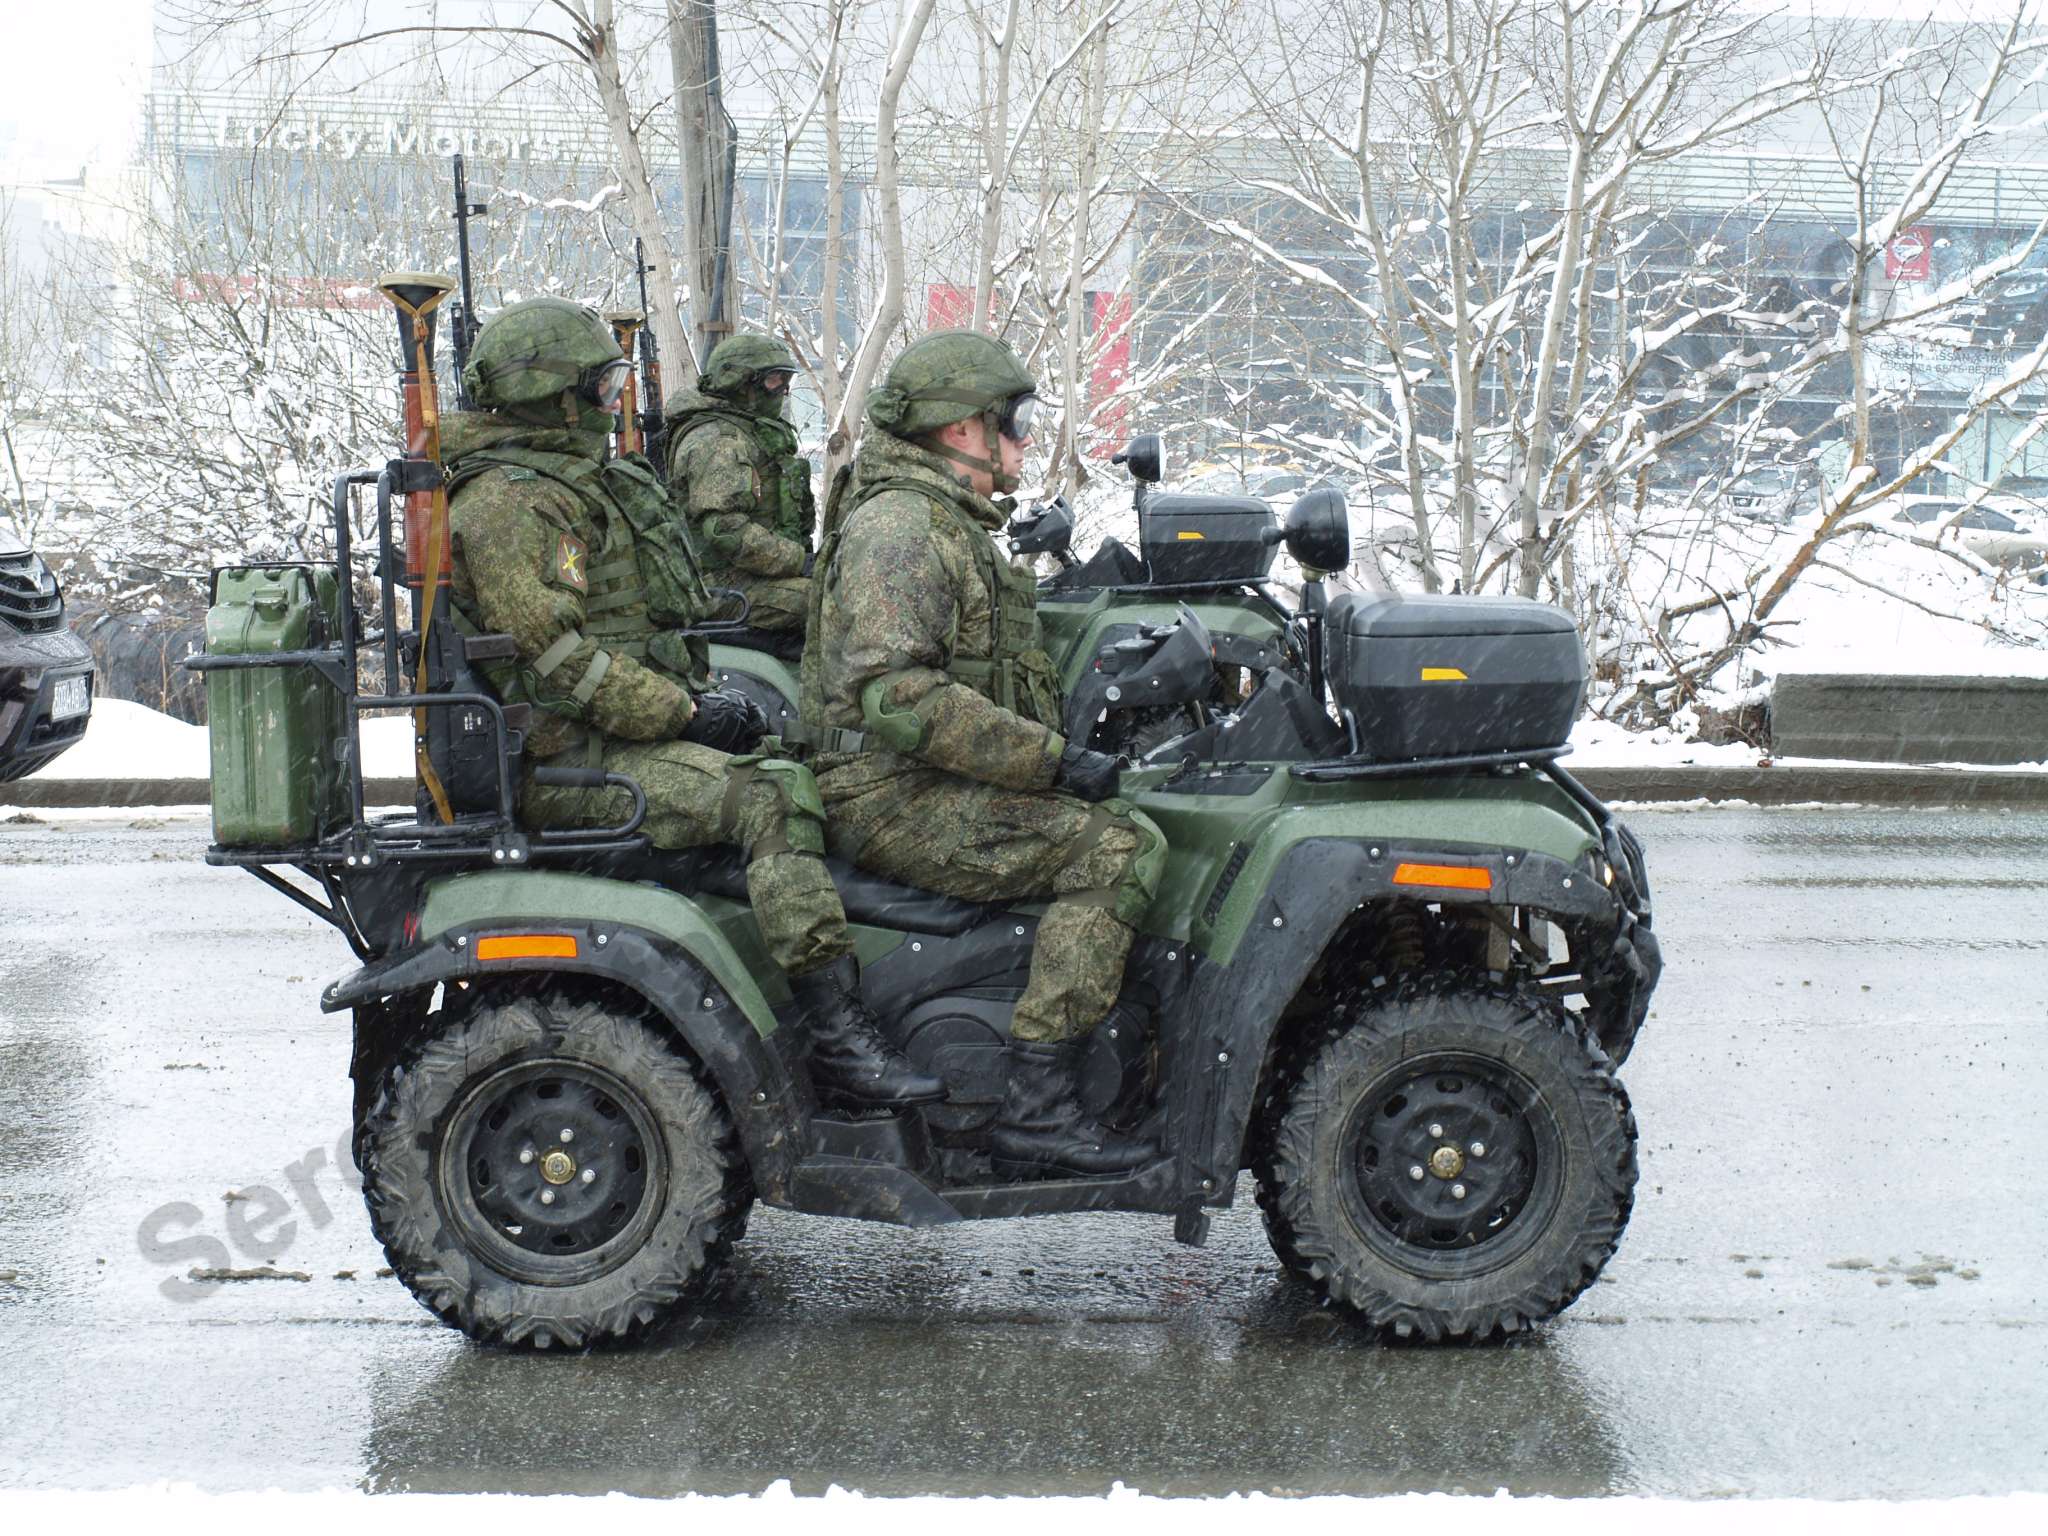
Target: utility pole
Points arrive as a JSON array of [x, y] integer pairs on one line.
[[709, 149]]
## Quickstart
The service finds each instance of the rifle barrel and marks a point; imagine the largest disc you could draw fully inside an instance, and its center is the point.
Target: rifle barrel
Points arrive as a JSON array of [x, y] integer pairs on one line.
[[465, 327], [653, 425]]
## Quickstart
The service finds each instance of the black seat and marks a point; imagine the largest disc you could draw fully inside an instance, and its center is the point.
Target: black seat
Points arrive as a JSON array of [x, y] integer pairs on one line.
[[868, 898], [784, 644]]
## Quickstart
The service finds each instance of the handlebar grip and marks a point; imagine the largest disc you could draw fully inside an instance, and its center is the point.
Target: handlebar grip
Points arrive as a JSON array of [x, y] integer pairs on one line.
[[570, 778]]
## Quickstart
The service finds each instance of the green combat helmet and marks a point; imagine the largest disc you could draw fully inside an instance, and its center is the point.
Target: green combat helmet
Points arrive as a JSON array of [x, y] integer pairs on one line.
[[531, 355], [949, 376], [739, 361]]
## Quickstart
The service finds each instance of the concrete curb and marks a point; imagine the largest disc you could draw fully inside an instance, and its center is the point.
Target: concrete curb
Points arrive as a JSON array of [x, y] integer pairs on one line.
[[1897, 718], [1761, 786]]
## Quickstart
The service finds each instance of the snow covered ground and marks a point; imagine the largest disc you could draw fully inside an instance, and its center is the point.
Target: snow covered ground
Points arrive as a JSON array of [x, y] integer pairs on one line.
[[173, 1511], [133, 741], [1873, 602], [130, 741]]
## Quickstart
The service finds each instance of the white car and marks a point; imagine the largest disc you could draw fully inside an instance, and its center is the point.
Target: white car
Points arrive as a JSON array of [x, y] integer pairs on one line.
[[1771, 493], [1998, 532]]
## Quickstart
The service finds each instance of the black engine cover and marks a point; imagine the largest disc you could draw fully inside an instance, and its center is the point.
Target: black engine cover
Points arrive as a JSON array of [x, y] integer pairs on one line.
[[961, 1036]]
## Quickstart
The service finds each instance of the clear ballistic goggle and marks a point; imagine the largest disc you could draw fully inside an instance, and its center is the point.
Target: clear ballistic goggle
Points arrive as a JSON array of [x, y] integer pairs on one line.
[[1019, 413], [606, 383]]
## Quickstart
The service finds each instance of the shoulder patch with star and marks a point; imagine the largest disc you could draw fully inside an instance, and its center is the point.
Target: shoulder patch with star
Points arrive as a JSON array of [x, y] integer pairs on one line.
[[570, 563]]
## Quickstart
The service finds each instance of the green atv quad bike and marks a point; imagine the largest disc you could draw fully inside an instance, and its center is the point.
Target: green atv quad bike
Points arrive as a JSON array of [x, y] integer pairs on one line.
[[1396, 957]]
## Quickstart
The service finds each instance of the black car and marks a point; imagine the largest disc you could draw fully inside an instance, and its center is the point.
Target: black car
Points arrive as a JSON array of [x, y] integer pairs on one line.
[[45, 670]]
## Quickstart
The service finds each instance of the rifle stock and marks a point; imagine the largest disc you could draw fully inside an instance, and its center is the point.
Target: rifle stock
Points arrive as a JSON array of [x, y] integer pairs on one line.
[[418, 475], [625, 324]]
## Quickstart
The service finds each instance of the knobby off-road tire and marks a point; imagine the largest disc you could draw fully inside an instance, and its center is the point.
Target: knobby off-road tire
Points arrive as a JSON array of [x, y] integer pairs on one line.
[[464, 1136], [1480, 1244]]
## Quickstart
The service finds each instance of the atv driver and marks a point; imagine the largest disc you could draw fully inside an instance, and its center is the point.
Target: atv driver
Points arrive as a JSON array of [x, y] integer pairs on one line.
[[926, 683], [553, 545]]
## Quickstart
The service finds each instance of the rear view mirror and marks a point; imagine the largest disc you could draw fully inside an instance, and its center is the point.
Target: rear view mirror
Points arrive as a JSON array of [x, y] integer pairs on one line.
[[1142, 457], [1046, 529], [1318, 530]]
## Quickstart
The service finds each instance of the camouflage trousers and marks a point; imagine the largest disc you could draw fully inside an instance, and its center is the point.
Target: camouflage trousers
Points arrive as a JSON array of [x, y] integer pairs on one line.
[[774, 602], [697, 796], [1100, 864]]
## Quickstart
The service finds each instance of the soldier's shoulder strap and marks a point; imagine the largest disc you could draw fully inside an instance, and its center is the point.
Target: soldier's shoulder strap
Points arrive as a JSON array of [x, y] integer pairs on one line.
[[574, 474], [702, 421]]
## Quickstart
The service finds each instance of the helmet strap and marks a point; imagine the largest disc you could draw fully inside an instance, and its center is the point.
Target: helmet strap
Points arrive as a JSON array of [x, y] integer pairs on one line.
[[992, 466], [992, 435]]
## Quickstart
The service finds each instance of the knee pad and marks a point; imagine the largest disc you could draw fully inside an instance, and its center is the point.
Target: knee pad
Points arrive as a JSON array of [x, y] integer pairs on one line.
[[1141, 879], [801, 809]]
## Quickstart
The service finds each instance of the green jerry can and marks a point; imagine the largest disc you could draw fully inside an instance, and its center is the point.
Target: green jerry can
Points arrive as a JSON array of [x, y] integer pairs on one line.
[[275, 731]]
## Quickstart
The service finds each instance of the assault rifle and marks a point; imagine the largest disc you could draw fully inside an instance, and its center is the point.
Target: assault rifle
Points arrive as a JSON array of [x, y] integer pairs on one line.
[[653, 426], [463, 322]]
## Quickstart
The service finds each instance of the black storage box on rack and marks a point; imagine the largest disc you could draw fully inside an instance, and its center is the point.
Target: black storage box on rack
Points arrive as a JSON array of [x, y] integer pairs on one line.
[[1205, 538], [1454, 676]]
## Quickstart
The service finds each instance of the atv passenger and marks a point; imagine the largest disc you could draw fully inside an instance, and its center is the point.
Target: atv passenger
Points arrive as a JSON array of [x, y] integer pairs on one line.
[[736, 473], [560, 548], [924, 650]]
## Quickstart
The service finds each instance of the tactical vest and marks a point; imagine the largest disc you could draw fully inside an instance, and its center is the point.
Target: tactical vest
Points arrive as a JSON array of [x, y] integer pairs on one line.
[[786, 482], [633, 589], [1017, 674]]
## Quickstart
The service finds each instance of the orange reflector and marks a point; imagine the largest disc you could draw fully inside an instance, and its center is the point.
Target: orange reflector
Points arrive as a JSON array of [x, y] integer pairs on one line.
[[527, 946], [1457, 877]]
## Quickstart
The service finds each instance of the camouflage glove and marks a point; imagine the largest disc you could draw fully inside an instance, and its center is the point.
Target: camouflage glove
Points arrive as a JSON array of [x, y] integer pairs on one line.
[[727, 721], [1087, 774]]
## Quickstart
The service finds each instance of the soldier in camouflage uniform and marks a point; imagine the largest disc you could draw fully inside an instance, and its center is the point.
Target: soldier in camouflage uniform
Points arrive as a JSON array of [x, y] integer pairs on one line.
[[949, 772], [735, 472], [563, 549]]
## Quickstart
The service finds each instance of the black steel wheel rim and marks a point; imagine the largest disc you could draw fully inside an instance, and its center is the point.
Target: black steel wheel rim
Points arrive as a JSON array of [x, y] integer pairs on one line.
[[1467, 1213], [545, 1207]]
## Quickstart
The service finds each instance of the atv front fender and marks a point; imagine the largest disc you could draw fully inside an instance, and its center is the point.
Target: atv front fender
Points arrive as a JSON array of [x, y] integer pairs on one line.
[[1313, 885], [653, 942]]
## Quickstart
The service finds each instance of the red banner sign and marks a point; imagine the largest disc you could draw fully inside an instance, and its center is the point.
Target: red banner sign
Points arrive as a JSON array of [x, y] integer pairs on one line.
[[1909, 255]]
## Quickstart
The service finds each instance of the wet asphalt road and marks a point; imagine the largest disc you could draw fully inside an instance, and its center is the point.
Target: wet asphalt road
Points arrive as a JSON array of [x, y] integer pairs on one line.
[[1833, 1284]]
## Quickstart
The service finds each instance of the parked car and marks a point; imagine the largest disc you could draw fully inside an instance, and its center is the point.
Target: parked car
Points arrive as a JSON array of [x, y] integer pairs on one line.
[[2001, 535], [45, 670], [1771, 493], [1268, 482], [2014, 303]]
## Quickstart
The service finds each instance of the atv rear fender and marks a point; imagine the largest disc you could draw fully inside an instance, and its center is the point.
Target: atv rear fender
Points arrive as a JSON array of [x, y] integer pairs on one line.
[[654, 943]]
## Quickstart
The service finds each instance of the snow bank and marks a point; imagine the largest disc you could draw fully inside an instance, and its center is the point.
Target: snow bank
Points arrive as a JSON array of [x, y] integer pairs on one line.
[[132, 741], [183, 1509], [1935, 656]]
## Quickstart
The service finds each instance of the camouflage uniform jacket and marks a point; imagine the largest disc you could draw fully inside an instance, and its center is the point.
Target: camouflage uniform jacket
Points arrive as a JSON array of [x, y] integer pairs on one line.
[[744, 488], [557, 571], [919, 604]]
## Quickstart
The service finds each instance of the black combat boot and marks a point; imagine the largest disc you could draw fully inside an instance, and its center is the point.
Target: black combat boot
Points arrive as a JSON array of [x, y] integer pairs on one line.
[[853, 1065], [1043, 1133]]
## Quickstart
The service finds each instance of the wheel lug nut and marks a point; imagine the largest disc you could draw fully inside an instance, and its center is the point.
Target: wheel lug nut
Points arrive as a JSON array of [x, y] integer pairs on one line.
[[1479, 1149], [1436, 1130], [526, 1156], [547, 1197], [1415, 1172], [589, 1175], [1457, 1191], [567, 1134]]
